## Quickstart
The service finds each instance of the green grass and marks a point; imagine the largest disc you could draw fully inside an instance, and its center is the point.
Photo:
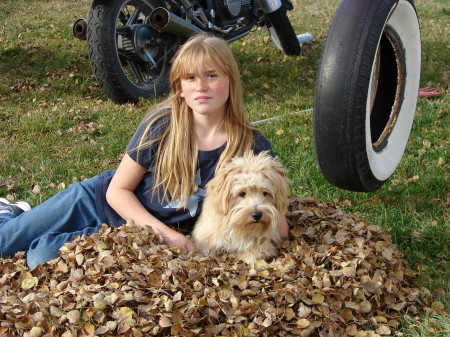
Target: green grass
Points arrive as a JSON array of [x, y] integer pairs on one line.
[[56, 125]]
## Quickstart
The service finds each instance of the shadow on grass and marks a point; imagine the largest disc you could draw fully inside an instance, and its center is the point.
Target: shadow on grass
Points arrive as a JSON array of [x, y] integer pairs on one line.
[[38, 68], [271, 77]]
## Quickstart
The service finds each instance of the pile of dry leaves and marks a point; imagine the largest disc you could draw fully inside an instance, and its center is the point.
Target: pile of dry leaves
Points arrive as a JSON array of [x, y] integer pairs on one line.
[[336, 276]]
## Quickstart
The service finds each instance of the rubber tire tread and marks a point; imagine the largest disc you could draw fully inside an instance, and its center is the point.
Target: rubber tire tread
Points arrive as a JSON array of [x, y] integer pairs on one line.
[[285, 32], [101, 46], [341, 93]]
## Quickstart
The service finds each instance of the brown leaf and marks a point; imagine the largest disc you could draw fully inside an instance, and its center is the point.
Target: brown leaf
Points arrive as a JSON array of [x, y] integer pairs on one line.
[[89, 328], [351, 330], [302, 323], [164, 322], [73, 316], [365, 307], [35, 331], [29, 283], [318, 298], [383, 330], [349, 271]]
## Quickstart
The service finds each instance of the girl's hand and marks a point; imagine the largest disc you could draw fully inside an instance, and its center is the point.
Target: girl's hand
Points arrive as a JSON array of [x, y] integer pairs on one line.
[[120, 196], [176, 239]]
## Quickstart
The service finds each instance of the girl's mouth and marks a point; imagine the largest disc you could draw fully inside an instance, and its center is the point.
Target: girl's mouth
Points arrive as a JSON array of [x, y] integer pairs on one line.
[[202, 98]]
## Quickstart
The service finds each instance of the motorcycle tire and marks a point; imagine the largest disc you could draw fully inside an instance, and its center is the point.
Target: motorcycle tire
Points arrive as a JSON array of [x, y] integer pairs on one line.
[[366, 92], [282, 32], [126, 58]]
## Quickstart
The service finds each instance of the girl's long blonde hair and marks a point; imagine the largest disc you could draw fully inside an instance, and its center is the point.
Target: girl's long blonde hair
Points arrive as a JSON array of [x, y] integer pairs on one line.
[[176, 160]]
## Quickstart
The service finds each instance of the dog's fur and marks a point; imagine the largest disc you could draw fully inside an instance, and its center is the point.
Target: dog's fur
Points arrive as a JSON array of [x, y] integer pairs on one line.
[[243, 208]]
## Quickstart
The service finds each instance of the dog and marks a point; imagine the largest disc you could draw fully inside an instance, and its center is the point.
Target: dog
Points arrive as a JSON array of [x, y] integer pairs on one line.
[[243, 207]]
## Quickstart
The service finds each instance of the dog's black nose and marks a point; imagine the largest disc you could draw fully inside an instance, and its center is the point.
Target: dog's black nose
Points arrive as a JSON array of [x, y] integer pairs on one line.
[[257, 215]]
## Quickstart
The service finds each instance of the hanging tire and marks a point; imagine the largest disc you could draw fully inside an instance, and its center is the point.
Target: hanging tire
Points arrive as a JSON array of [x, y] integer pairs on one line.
[[129, 58], [282, 32], [366, 92]]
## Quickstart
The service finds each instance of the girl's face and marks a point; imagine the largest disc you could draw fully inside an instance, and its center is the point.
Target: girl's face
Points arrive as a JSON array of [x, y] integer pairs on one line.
[[206, 90]]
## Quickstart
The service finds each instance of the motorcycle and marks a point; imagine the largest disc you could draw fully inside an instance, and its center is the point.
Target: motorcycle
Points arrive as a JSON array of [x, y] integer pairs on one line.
[[366, 87], [131, 42]]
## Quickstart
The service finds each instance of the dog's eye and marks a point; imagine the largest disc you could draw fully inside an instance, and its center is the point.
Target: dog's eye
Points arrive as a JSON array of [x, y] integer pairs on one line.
[[242, 194], [265, 193]]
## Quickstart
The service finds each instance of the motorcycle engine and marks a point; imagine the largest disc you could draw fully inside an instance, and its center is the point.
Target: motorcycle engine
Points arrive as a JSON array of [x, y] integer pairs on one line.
[[226, 10]]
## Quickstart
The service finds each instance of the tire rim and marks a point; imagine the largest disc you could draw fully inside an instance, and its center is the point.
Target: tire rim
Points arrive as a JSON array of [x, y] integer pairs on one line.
[[392, 93], [140, 55], [387, 88]]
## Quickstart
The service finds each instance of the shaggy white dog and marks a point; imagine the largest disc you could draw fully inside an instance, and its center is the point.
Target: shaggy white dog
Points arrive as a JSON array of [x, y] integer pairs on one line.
[[243, 208]]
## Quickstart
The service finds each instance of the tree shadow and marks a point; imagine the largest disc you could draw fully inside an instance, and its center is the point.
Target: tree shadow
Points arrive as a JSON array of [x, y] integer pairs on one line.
[[41, 68]]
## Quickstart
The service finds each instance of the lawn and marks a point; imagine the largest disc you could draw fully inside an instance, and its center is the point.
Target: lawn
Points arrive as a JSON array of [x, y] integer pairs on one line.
[[57, 126]]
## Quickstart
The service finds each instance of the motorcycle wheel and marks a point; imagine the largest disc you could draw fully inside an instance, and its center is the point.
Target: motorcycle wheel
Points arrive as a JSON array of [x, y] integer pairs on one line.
[[366, 92], [282, 32], [129, 58]]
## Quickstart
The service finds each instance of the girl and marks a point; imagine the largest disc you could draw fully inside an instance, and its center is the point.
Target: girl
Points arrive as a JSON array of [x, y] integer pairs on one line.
[[161, 179]]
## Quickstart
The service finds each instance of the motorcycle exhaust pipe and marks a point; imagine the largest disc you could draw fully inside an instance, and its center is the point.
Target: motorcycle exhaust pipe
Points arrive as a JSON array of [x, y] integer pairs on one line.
[[165, 21], [79, 29]]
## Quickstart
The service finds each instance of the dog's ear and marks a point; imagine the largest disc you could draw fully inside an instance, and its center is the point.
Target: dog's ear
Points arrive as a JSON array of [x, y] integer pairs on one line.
[[220, 187], [277, 176]]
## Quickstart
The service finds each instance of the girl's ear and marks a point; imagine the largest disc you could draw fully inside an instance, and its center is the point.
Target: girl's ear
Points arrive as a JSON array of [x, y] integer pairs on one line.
[[176, 87]]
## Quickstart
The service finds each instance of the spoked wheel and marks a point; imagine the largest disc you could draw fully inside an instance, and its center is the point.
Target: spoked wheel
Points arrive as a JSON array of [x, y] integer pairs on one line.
[[129, 58], [366, 92]]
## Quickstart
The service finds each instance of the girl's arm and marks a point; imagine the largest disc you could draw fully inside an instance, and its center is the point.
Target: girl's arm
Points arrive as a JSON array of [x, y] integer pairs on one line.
[[120, 196]]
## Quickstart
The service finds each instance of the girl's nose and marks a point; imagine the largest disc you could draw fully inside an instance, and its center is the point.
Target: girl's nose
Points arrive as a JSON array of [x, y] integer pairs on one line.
[[200, 84]]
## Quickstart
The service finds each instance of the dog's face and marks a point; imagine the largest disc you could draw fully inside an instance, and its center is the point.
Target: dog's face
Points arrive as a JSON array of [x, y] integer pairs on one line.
[[252, 204], [253, 192]]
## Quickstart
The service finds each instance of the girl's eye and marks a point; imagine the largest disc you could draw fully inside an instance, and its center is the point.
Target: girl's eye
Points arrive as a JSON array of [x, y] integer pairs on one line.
[[265, 193], [242, 194], [211, 73]]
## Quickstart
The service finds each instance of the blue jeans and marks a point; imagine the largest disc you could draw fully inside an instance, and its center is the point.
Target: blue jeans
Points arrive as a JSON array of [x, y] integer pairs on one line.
[[44, 229]]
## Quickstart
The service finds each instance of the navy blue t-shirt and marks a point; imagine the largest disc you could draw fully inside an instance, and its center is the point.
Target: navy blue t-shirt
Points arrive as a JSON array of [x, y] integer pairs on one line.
[[168, 213]]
